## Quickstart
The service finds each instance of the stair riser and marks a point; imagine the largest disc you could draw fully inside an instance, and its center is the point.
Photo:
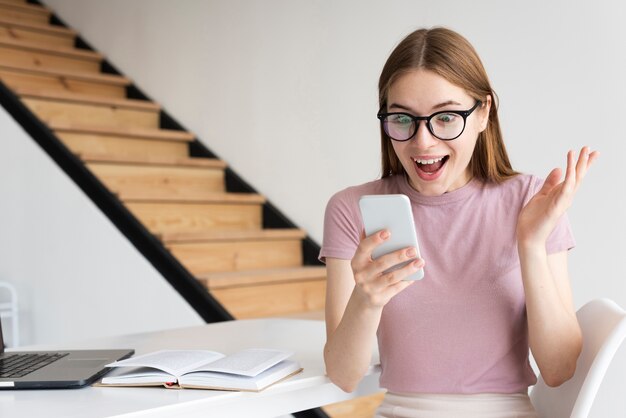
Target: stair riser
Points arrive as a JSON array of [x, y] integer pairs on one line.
[[101, 115], [175, 181], [23, 34], [55, 83], [7, 12], [273, 300], [17, 56], [186, 217], [219, 280], [122, 146], [238, 256]]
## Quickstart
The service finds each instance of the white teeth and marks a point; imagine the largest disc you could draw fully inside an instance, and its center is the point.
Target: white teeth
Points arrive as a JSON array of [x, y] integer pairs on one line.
[[417, 160]]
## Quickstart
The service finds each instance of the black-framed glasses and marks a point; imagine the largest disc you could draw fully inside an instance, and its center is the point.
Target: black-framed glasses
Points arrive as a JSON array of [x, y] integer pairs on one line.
[[445, 125]]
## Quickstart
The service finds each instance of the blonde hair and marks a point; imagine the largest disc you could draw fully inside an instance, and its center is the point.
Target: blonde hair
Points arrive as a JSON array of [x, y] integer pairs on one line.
[[451, 56]]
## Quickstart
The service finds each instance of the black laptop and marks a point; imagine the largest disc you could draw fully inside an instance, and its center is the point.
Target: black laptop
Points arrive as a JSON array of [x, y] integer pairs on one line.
[[54, 369]]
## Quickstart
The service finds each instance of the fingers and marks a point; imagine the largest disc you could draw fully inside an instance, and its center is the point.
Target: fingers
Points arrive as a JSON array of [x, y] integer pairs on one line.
[[575, 170], [585, 160], [552, 180], [364, 251], [384, 263], [574, 174], [592, 158], [387, 261], [367, 270], [392, 282], [582, 165], [379, 280], [569, 183], [395, 280]]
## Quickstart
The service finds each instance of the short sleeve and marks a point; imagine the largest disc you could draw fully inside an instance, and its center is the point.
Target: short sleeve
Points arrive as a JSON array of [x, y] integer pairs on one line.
[[341, 227], [561, 238]]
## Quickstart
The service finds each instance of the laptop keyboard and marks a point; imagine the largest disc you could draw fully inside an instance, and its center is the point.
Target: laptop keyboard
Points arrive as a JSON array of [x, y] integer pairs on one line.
[[19, 365]]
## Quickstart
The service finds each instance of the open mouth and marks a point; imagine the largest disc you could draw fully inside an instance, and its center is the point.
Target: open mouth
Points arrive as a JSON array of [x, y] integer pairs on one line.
[[429, 169]]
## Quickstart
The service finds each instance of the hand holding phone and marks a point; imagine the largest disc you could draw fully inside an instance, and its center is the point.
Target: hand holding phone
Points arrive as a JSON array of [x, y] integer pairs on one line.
[[393, 213]]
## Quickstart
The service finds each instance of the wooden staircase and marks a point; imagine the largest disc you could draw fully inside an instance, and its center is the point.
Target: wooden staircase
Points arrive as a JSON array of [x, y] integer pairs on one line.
[[217, 235]]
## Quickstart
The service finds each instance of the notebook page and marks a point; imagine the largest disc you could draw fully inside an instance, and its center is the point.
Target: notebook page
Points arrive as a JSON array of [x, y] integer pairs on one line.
[[137, 375], [234, 382], [175, 362], [249, 362]]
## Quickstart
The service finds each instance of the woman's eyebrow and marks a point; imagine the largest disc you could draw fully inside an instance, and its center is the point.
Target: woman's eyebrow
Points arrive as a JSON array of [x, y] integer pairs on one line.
[[447, 103], [437, 106]]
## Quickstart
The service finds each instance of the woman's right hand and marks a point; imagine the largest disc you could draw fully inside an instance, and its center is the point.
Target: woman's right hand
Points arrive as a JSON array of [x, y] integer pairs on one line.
[[371, 283], [356, 292]]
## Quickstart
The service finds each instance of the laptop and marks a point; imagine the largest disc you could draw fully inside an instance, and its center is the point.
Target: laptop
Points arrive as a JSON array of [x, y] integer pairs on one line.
[[65, 369]]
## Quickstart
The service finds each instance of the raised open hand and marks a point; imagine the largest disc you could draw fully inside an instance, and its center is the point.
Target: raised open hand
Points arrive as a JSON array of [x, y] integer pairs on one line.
[[539, 217]]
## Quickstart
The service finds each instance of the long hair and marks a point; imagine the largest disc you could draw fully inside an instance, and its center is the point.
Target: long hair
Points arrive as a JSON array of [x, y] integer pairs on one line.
[[451, 56]]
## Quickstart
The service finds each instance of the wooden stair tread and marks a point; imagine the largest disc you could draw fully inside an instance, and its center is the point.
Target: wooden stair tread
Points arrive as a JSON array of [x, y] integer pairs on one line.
[[266, 276], [68, 74], [152, 160], [56, 30], [260, 234], [26, 7], [160, 134], [210, 198], [63, 96], [52, 49]]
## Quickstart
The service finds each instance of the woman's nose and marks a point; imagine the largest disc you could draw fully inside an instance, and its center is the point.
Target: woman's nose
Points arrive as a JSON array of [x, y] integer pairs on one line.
[[424, 138]]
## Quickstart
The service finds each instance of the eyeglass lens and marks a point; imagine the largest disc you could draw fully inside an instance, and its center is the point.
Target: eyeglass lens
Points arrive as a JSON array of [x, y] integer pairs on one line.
[[442, 125]]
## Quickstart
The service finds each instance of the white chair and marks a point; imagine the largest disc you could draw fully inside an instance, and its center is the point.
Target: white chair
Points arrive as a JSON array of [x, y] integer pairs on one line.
[[8, 309], [603, 325]]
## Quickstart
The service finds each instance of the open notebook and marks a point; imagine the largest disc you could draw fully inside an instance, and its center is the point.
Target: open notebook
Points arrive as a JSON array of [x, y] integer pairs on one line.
[[246, 370]]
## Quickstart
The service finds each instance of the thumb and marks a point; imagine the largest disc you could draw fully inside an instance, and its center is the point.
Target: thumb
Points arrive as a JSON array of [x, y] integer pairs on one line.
[[552, 180]]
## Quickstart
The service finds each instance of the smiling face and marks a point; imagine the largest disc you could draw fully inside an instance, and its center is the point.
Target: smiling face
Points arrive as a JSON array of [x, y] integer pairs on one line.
[[434, 166]]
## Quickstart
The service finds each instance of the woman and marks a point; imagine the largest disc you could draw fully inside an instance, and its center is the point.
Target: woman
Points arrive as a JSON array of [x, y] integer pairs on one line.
[[494, 245]]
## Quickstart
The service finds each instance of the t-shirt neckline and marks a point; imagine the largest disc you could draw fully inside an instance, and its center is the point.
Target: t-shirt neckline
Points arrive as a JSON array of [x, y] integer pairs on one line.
[[457, 195]]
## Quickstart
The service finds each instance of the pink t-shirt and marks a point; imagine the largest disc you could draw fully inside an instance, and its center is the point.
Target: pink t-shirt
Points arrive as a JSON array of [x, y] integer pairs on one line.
[[463, 328]]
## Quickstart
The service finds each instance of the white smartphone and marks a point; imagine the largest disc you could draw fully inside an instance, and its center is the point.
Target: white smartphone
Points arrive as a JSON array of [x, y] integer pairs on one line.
[[391, 212]]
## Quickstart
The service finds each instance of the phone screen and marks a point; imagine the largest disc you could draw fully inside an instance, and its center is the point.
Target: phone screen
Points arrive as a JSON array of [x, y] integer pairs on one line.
[[392, 212]]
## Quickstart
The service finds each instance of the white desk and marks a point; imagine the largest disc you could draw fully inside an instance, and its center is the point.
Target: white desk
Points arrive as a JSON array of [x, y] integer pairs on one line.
[[304, 391]]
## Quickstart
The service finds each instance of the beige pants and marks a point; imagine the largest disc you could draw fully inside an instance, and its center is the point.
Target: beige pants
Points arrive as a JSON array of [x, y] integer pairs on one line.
[[483, 405]]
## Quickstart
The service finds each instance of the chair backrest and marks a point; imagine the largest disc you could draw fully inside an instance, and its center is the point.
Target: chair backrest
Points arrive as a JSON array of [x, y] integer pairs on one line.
[[603, 325]]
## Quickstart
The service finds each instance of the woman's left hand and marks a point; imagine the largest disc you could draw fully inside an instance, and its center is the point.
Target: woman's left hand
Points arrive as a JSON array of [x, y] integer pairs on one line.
[[541, 214]]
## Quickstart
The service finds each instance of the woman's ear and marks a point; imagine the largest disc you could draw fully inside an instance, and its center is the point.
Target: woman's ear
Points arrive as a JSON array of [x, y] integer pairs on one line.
[[485, 109]]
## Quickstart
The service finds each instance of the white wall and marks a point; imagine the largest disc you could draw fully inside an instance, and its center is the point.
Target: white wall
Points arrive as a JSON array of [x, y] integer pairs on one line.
[[285, 92], [76, 276]]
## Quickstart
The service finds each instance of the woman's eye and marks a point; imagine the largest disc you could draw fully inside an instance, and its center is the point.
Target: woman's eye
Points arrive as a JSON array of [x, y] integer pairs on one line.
[[400, 119], [446, 117]]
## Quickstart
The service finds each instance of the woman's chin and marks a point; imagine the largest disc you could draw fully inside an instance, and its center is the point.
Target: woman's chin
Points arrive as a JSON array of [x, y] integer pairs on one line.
[[437, 187], [428, 188]]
